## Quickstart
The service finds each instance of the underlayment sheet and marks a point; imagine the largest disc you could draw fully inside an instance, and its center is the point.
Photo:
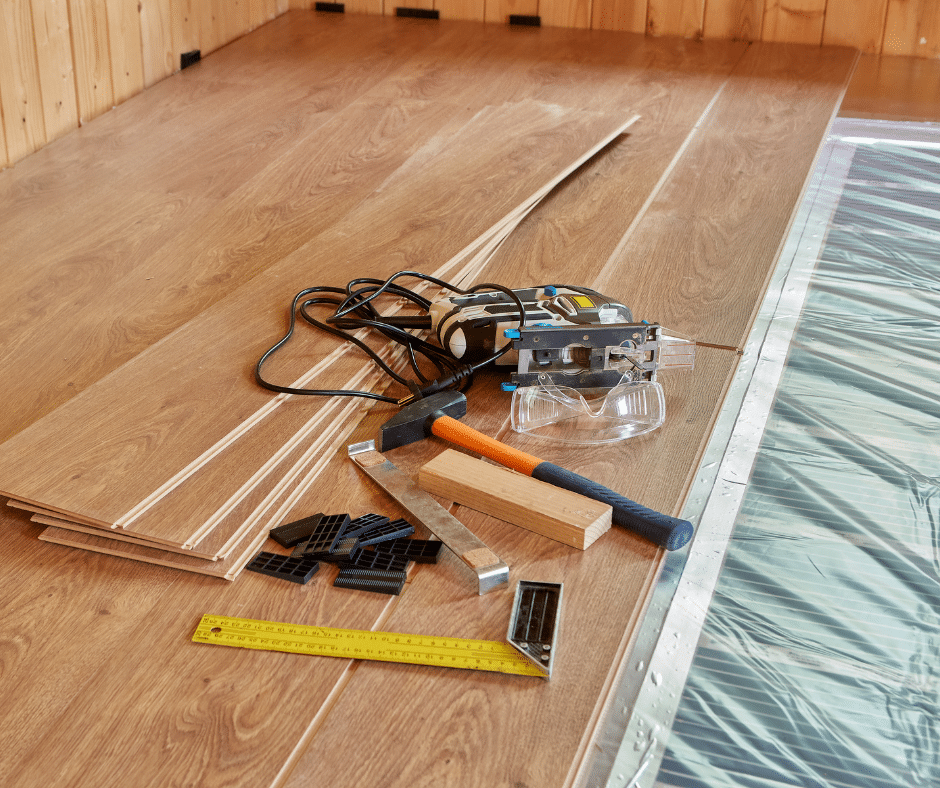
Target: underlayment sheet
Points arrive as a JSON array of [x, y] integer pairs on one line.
[[819, 662]]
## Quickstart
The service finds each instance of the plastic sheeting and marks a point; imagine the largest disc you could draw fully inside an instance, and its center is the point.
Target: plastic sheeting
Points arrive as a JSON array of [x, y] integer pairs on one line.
[[819, 661]]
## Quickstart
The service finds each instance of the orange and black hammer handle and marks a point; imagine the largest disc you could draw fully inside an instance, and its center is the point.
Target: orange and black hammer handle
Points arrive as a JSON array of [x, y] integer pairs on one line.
[[665, 531]]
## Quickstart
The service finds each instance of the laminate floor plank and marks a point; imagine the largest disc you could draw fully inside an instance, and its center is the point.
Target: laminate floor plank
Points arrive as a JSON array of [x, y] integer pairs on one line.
[[169, 220], [210, 715], [63, 610], [193, 387], [894, 88]]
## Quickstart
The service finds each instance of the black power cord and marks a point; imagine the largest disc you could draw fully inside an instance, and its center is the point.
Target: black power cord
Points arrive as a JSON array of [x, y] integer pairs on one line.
[[354, 308]]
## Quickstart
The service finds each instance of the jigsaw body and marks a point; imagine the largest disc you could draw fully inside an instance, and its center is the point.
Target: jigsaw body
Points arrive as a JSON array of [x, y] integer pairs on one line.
[[574, 337]]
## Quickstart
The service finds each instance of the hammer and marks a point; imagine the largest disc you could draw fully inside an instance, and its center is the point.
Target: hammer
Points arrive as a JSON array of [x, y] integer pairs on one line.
[[438, 415]]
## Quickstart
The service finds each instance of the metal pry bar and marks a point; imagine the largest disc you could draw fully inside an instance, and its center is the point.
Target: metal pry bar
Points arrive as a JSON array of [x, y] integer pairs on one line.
[[491, 572]]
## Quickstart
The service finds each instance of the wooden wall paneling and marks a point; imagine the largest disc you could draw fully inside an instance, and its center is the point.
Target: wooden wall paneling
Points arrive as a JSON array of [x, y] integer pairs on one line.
[[459, 719], [20, 89], [4, 156], [261, 11], [124, 37], [624, 15], [375, 7], [92, 52], [212, 25], [739, 20], [473, 10], [855, 23], [56, 74], [389, 6], [912, 27], [566, 13], [236, 15], [498, 11], [794, 21], [156, 34], [186, 19], [684, 18]]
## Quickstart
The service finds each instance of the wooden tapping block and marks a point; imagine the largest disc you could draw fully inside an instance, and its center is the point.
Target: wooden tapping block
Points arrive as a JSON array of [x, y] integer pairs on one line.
[[521, 500]]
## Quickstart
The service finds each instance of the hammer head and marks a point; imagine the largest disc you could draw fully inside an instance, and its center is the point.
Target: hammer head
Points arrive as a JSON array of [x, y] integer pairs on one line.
[[413, 422]]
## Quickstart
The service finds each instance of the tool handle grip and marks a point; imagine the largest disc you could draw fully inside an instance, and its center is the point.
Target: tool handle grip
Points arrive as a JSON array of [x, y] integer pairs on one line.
[[460, 434], [668, 532]]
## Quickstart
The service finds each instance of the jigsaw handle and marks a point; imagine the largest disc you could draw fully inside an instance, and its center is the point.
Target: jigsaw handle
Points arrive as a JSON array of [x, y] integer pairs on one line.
[[668, 532]]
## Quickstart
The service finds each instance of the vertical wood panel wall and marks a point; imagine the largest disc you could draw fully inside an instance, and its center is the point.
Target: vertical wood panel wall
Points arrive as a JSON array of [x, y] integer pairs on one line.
[[62, 62]]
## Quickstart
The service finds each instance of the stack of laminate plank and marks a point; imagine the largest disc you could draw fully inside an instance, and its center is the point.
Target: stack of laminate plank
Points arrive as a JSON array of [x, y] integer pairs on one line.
[[179, 458]]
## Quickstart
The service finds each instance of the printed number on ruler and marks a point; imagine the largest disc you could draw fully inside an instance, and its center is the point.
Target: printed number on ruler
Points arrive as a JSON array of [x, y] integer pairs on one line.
[[363, 644]]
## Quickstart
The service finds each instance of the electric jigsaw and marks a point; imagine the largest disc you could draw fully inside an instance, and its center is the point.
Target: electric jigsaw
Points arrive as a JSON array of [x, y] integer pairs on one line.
[[570, 336]]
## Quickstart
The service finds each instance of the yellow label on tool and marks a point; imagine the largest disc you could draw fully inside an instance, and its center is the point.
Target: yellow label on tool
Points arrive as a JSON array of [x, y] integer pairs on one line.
[[363, 644], [583, 301]]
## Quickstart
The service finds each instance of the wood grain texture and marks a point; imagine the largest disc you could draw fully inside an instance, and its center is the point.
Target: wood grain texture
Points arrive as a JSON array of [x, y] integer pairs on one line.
[[181, 411], [856, 23], [174, 712], [92, 53], [566, 13], [684, 18], [185, 28], [21, 108], [54, 60], [894, 88], [183, 232], [739, 20], [4, 156], [625, 15], [554, 513], [126, 54], [543, 758], [797, 21], [473, 10], [912, 27], [499, 10], [156, 37]]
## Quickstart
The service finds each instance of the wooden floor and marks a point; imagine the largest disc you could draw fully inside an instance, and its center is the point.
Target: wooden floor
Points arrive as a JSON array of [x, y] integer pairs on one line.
[[894, 88], [237, 177]]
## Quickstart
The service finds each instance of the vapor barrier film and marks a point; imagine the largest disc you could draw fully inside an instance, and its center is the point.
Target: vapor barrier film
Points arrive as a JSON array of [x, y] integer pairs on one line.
[[819, 661]]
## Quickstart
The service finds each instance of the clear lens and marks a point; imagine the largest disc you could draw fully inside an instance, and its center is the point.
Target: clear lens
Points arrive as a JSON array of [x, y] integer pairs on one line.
[[564, 414]]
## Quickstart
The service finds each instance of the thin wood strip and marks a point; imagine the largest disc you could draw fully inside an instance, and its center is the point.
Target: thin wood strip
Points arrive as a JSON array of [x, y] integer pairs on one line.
[[230, 565], [114, 536]]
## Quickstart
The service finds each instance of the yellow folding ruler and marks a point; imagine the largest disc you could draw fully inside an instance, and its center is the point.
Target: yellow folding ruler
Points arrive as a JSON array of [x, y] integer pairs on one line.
[[363, 644]]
